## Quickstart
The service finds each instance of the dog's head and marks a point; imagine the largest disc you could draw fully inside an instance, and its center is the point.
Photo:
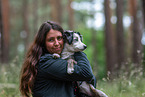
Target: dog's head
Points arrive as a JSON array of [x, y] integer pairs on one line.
[[74, 41]]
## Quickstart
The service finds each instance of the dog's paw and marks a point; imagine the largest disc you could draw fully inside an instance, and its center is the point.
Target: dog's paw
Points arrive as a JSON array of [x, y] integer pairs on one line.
[[70, 70], [55, 56]]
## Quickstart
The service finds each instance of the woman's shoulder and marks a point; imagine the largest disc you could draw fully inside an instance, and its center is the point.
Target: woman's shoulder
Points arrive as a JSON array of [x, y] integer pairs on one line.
[[45, 57], [80, 54], [49, 58]]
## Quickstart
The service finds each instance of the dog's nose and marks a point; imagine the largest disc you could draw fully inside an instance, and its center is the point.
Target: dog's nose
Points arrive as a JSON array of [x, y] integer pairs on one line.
[[85, 46]]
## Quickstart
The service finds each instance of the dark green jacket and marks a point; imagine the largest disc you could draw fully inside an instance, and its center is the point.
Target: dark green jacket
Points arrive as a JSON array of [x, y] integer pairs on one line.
[[52, 79]]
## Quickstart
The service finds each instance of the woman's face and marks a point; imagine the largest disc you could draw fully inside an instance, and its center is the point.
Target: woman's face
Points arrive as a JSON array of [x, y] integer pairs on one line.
[[54, 42]]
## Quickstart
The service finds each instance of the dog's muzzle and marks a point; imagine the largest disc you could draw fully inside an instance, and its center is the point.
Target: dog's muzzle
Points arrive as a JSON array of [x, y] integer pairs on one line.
[[85, 46]]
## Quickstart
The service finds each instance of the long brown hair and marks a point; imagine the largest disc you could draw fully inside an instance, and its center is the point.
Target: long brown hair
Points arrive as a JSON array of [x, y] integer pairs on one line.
[[29, 67]]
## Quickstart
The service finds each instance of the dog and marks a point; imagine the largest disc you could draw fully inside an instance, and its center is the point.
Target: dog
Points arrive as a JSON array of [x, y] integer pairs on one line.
[[73, 43]]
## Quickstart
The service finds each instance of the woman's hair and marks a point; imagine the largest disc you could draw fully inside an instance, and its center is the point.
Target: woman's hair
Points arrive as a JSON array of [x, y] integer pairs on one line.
[[29, 69]]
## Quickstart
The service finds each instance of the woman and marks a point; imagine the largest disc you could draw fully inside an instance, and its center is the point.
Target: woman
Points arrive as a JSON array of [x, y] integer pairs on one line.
[[44, 76]]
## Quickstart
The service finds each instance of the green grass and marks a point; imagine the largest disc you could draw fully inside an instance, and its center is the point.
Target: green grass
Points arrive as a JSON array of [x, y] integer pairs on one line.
[[123, 88], [126, 85], [9, 79]]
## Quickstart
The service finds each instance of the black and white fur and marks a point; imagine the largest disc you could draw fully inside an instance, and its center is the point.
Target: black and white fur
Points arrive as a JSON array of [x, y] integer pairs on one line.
[[73, 43]]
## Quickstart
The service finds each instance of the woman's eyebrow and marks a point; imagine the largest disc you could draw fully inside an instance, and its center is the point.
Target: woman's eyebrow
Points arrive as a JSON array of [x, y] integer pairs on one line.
[[59, 36]]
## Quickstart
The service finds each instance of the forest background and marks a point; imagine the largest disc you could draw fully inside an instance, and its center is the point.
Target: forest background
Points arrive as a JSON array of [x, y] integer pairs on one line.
[[113, 31]]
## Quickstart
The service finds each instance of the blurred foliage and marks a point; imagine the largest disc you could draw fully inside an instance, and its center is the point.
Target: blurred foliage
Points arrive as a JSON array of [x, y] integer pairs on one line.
[[87, 39]]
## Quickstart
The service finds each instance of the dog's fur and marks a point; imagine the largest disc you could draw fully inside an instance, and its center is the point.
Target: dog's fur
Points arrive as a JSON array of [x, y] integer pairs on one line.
[[73, 43]]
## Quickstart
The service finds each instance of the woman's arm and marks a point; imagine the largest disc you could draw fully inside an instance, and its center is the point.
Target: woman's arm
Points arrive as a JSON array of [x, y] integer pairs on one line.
[[57, 68], [78, 57]]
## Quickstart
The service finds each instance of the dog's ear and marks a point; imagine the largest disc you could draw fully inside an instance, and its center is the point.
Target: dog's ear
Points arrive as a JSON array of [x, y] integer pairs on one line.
[[68, 36], [80, 35]]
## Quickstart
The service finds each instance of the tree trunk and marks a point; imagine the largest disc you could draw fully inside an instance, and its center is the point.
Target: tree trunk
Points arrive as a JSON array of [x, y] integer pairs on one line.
[[143, 6], [129, 34], [53, 12], [25, 24], [143, 9], [35, 20], [5, 31], [137, 47], [1, 26], [70, 15], [59, 12], [94, 46], [120, 35], [56, 11], [110, 48]]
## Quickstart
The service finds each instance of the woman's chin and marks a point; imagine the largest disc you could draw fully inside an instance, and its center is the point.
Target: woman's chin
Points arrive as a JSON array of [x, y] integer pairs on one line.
[[58, 52]]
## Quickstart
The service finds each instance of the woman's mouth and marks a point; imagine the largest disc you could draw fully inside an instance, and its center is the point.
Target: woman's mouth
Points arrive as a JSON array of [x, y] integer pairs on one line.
[[57, 49]]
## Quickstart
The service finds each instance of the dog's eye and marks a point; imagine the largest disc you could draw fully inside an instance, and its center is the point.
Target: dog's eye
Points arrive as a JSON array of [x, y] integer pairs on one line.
[[76, 39], [81, 38]]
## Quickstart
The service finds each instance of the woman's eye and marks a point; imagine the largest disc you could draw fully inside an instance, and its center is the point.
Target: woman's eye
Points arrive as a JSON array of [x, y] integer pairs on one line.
[[59, 38], [50, 40]]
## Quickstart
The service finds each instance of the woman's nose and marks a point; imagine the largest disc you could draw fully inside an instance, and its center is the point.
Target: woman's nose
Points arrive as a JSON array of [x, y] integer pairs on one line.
[[56, 42]]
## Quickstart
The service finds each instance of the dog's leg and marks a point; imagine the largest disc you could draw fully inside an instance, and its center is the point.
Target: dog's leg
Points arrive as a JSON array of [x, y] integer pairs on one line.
[[85, 88], [97, 93], [70, 66], [90, 90]]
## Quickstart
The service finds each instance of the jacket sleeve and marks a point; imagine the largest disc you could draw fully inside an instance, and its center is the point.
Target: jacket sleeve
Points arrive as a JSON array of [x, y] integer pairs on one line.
[[80, 59], [56, 69]]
